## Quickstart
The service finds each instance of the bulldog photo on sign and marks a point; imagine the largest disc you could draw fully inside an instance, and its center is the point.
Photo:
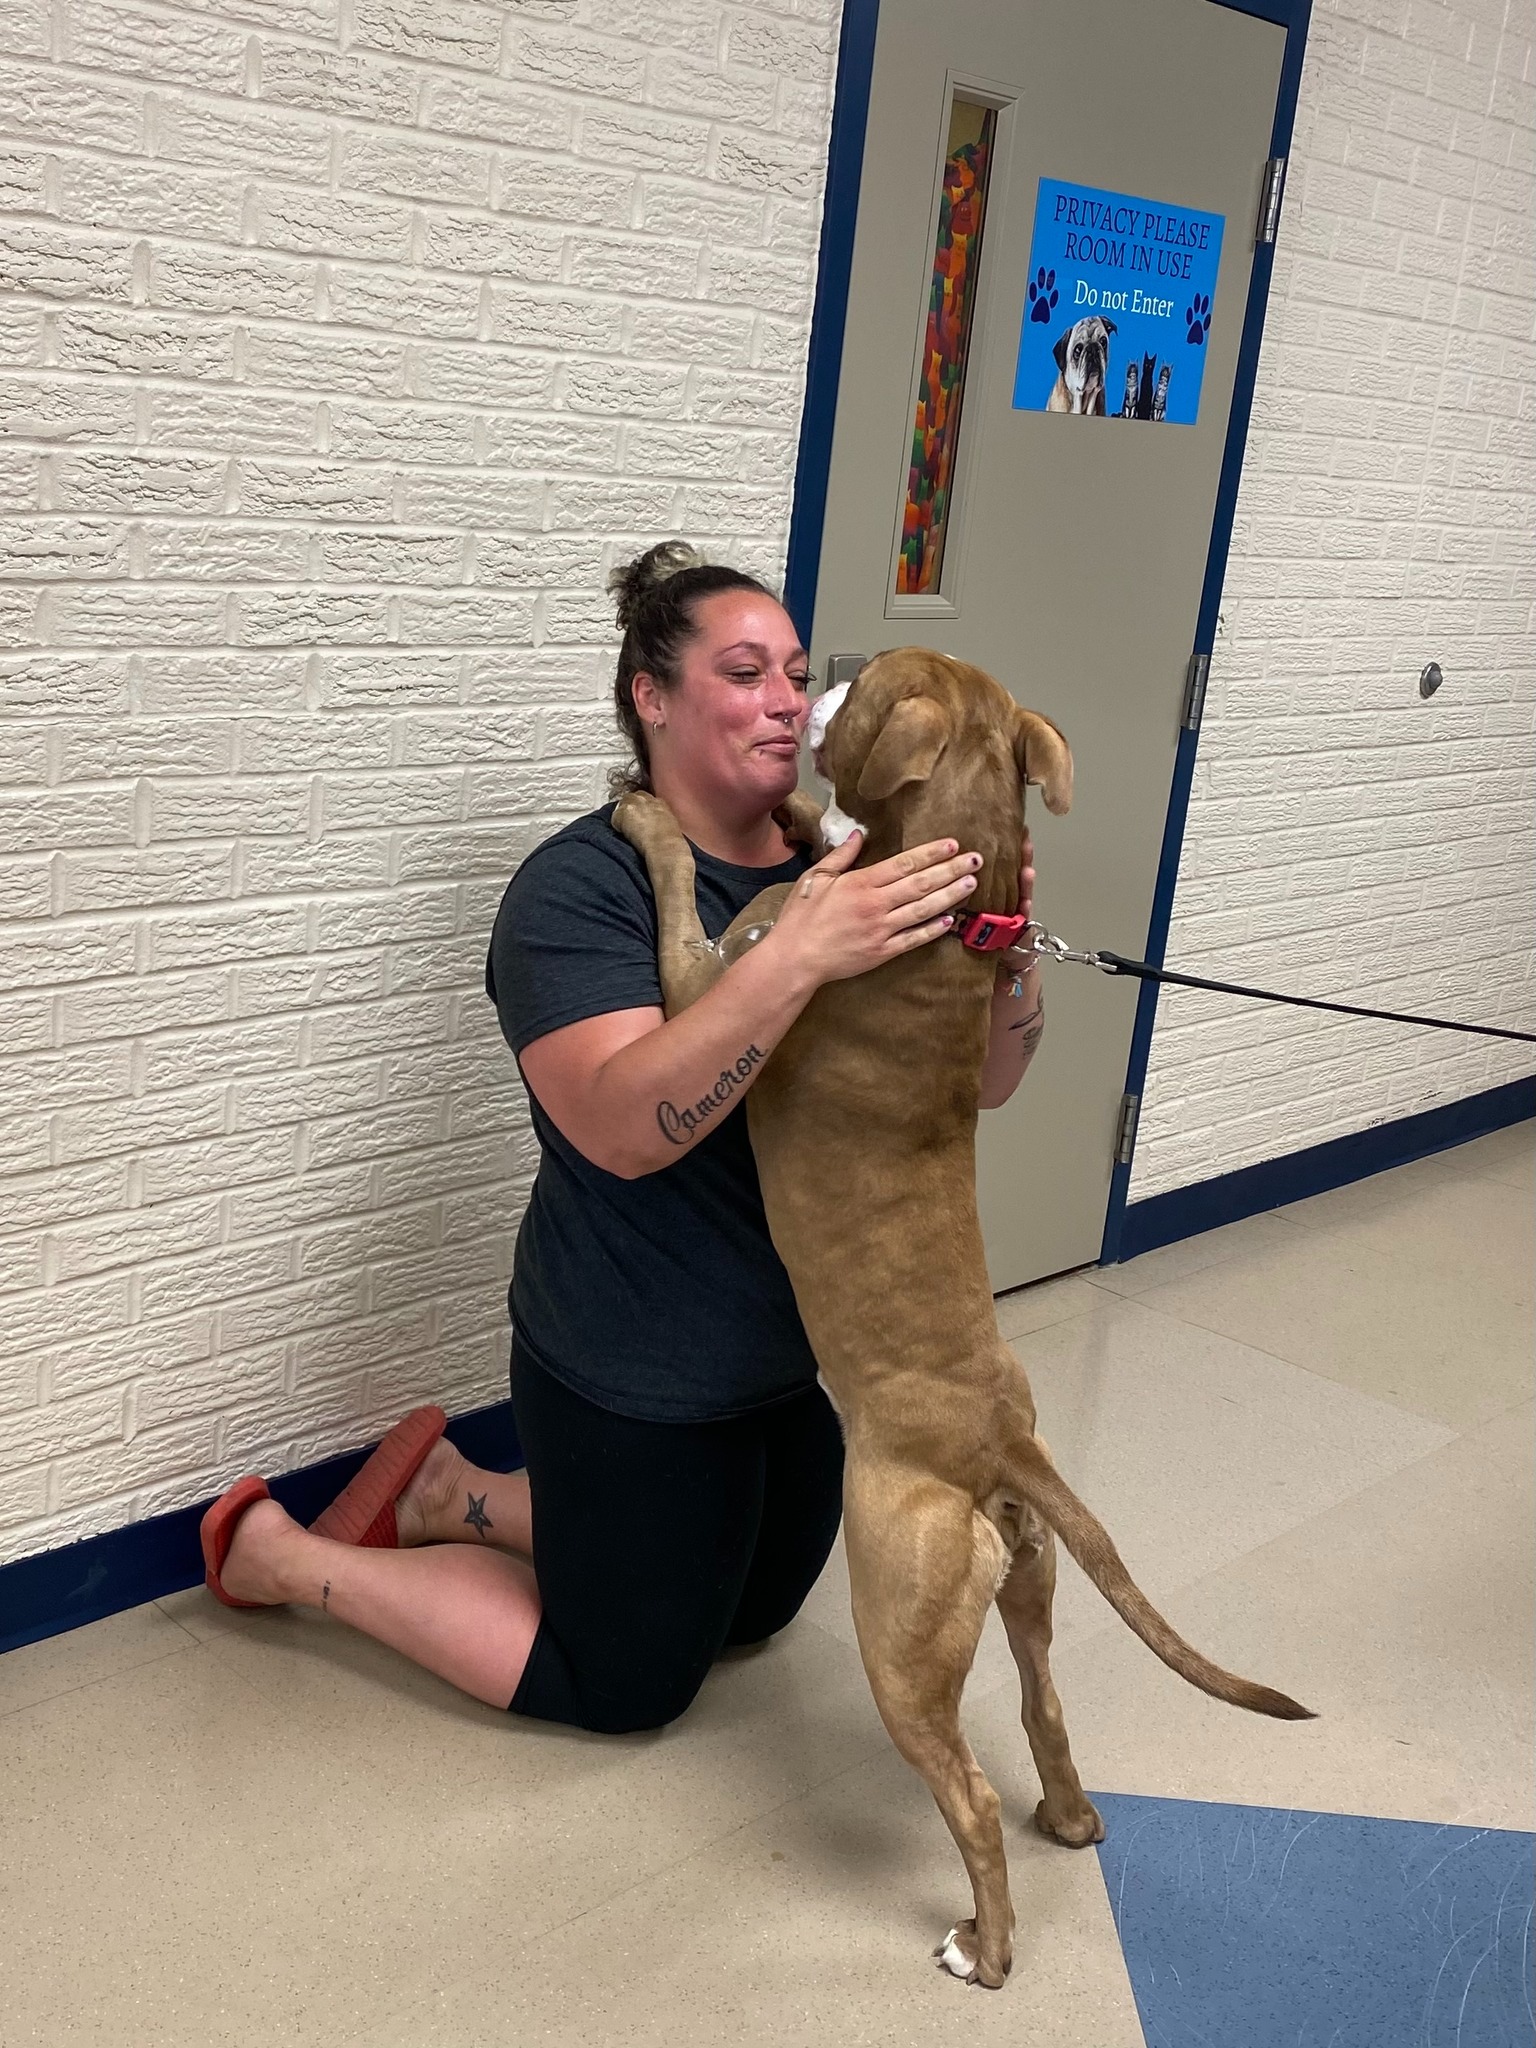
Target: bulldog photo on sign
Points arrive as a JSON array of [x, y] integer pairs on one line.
[[1117, 308]]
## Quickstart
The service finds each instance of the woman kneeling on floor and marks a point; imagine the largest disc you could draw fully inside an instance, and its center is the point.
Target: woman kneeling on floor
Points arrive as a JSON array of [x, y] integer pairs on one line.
[[683, 1479]]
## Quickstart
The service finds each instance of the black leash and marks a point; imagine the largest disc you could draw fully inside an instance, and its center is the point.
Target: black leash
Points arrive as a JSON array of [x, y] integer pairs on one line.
[[1053, 948], [1114, 964]]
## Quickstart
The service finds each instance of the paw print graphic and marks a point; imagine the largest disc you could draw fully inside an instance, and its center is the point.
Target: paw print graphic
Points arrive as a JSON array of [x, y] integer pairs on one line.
[[1198, 317], [1043, 294]]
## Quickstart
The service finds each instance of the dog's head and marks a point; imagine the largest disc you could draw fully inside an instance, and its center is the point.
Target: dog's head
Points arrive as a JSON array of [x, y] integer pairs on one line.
[[1082, 353], [926, 747]]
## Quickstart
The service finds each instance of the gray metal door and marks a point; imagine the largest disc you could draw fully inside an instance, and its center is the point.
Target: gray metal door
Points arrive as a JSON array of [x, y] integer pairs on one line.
[[1075, 546]]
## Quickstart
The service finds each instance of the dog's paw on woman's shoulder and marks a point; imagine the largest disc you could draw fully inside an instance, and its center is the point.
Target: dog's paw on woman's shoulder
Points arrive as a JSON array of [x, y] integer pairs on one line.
[[638, 817]]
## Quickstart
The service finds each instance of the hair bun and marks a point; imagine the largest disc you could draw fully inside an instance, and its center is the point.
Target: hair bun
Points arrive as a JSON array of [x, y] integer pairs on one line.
[[635, 582]]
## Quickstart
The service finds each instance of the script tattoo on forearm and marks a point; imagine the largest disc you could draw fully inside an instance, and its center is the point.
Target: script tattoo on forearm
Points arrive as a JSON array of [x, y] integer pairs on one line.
[[679, 1125]]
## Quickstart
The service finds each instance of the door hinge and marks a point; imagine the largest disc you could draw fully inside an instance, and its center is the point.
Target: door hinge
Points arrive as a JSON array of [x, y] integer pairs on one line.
[[1270, 193], [1196, 676], [1125, 1129]]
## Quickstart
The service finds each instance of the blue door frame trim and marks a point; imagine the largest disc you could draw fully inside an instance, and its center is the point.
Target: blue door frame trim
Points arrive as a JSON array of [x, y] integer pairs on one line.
[[829, 314], [1293, 16], [845, 163]]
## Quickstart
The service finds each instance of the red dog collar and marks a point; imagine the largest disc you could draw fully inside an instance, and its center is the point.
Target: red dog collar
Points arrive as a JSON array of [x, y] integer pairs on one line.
[[985, 931]]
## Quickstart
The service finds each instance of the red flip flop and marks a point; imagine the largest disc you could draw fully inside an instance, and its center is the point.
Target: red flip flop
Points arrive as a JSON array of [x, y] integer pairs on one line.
[[218, 1532], [364, 1512]]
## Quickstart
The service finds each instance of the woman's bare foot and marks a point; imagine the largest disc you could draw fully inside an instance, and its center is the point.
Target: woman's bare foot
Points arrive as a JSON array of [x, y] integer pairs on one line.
[[263, 1562], [431, 1508]]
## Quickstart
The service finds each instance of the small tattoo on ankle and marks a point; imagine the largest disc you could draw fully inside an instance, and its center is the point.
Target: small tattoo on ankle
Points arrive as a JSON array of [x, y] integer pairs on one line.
[[325, 1596], [477, 1518]]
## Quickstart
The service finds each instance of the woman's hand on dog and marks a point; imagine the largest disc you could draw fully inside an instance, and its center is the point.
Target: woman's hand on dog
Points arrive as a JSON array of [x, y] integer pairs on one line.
[[839, 922]]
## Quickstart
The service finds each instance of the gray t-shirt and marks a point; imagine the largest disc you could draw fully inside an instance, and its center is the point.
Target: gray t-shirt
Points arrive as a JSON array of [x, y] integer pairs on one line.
[[660, 1298]]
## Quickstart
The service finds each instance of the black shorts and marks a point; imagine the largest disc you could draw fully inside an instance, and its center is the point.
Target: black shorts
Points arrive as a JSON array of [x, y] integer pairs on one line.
[[655, 1544]]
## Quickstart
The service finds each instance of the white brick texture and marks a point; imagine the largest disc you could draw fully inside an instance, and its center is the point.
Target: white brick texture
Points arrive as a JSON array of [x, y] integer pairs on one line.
[[344, 345], [1345, 838]]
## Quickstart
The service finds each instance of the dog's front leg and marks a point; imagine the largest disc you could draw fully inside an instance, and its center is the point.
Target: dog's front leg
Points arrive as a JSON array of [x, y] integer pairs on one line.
[[686, 962], [800, 817]]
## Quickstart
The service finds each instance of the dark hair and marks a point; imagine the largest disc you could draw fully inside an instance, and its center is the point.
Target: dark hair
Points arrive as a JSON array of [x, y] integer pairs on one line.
[[658, 594]]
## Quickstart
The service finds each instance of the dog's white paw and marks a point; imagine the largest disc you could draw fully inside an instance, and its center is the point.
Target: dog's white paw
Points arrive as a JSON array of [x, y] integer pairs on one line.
[[954, 1958]]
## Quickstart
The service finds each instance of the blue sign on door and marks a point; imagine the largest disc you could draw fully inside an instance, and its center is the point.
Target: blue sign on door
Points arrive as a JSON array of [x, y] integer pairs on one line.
[[1118, 306]]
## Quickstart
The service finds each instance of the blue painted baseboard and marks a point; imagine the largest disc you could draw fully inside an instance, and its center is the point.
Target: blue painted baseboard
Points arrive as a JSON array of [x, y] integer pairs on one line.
[[1185, 1212], [61, 1589]]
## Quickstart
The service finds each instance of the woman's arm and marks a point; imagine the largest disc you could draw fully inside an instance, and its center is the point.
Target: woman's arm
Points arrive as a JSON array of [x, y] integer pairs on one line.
[[633, 1091], [1017, 1020], [1017, 1024]]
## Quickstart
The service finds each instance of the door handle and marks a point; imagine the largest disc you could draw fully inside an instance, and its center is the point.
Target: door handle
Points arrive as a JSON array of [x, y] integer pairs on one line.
[[842, 668]]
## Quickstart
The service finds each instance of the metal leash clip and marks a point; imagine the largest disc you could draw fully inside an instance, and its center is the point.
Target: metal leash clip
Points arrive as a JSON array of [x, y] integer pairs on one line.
[[1046, 946]]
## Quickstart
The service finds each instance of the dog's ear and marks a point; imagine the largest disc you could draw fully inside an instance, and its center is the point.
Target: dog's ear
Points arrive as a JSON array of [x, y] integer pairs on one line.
[[1110, 327], [1043, 757], [1060, 351], [906, 748]]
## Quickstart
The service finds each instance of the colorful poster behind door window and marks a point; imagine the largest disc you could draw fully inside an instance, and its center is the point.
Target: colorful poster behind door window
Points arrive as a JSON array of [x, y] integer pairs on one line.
[[1117, 310], [944, 346]]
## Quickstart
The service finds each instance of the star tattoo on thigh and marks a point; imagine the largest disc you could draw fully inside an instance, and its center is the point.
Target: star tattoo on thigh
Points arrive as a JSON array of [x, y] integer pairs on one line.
[[477, 1518]]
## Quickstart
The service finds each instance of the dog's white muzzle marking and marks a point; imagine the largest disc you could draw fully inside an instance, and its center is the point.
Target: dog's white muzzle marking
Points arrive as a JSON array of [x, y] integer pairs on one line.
[[823, 711], [836, 825]]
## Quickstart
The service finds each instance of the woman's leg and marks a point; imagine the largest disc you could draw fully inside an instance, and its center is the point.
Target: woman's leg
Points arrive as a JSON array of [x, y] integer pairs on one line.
[[643, 1537], [471, 1619], [802, 1506], [650, 1555], [451, 1501]]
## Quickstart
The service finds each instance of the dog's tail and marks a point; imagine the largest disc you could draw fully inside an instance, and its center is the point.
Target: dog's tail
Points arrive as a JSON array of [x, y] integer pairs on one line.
[[1089, 1543]]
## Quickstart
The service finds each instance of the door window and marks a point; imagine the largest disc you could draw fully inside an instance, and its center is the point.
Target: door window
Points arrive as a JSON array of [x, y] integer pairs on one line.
[[944, 347]]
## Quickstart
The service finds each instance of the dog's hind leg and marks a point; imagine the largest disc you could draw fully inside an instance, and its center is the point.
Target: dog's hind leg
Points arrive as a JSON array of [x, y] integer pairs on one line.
[[1024, 1602], [923, 1566]]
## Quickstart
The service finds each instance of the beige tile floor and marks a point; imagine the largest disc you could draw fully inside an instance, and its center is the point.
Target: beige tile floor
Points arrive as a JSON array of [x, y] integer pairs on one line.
[[1311, 1435]]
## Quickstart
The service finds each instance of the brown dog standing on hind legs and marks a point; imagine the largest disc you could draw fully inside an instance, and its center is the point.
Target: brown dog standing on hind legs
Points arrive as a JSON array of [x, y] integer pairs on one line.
[[950, 1497]]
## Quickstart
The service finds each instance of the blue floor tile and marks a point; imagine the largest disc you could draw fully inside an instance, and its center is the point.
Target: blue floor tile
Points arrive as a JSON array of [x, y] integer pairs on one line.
[[1254, 1927]]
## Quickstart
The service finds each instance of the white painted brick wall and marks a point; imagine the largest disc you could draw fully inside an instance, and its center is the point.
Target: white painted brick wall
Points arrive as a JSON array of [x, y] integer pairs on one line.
[[1346, 839], [343, 345]]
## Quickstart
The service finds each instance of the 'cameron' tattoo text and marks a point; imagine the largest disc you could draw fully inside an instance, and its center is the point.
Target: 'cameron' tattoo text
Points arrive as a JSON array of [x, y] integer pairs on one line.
[[679, 1125]]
